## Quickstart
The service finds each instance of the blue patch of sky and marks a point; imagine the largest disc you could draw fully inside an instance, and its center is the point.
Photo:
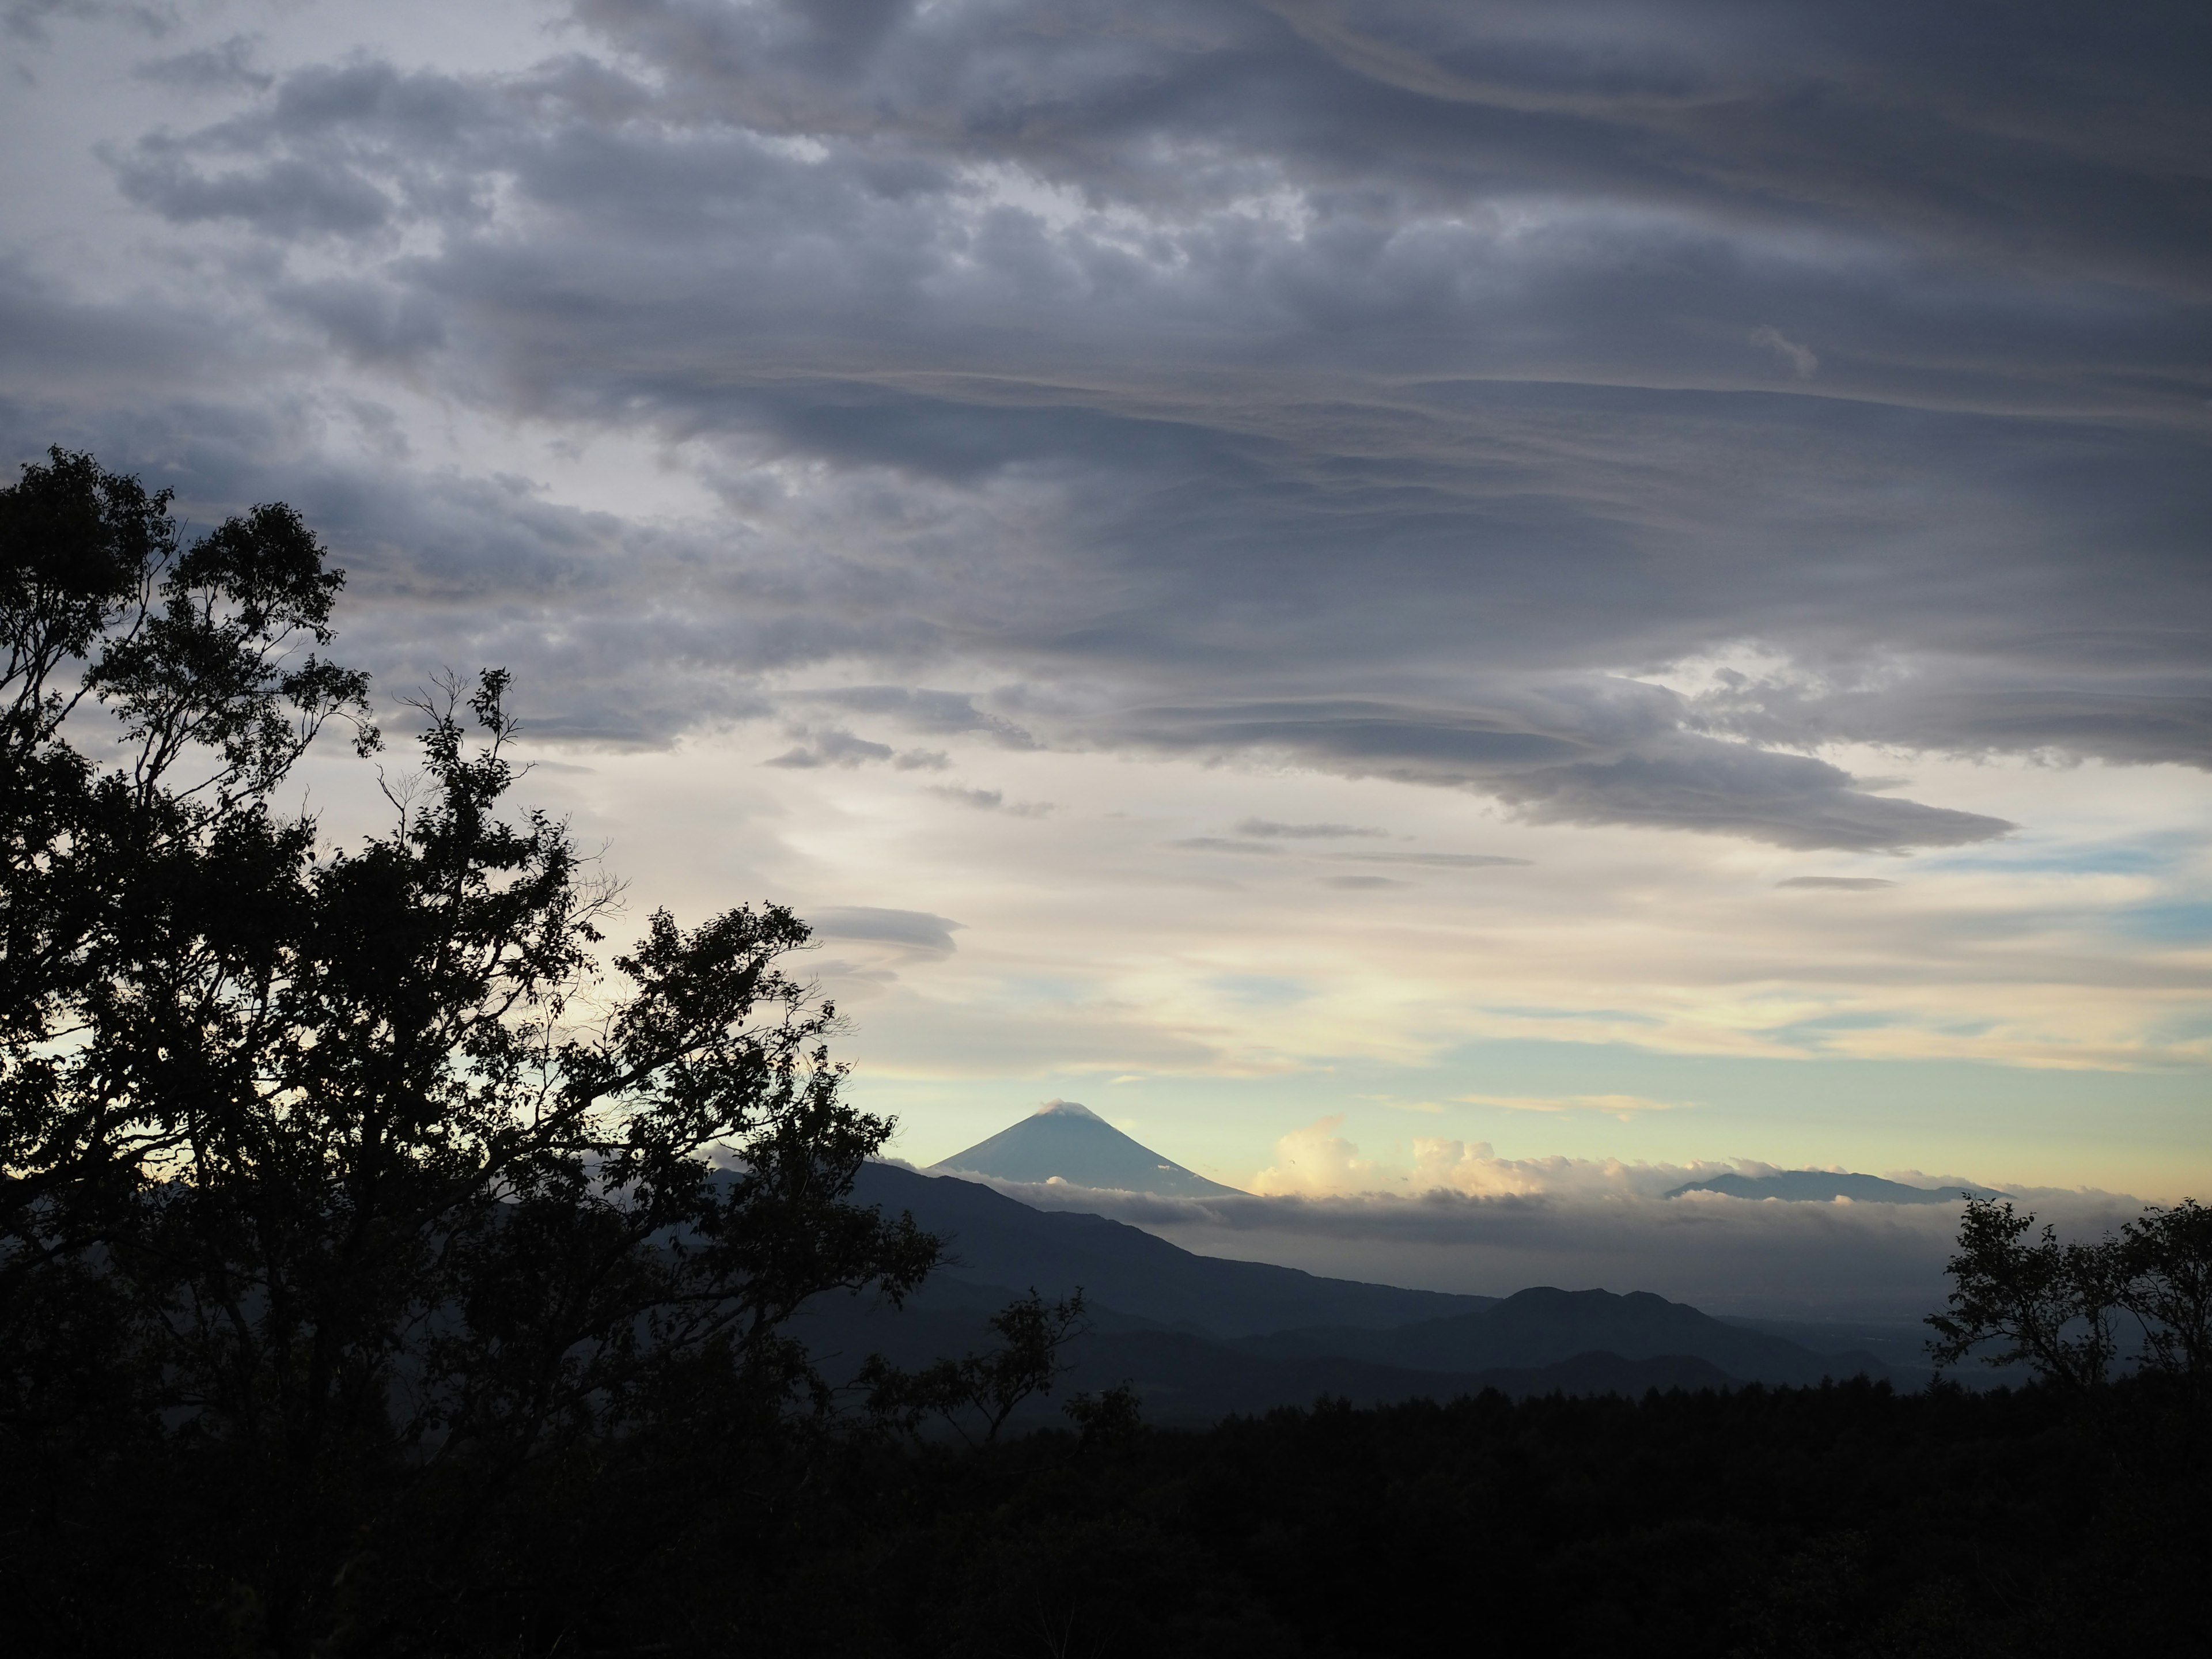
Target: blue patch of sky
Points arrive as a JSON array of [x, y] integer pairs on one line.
[[2183, 923], [2150, 855], [1812, 1034]]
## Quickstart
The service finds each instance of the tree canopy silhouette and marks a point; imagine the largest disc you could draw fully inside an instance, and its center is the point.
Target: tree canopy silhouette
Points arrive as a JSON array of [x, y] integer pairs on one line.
[[2019, 1294], [345, 1192]]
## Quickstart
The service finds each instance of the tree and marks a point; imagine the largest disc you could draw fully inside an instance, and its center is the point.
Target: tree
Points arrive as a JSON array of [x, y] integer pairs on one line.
[[2165, 1282], [351, 1213], [2046, 1303], [988, 1389], [2057, 1306]]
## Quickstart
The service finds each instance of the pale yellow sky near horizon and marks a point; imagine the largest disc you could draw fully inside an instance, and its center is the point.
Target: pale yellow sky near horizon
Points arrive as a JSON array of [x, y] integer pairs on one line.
[[2011, 1012]]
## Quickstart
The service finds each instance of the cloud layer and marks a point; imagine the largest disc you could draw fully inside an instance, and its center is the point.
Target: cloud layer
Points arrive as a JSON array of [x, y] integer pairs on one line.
[[1401, 391], [1464, 1219]]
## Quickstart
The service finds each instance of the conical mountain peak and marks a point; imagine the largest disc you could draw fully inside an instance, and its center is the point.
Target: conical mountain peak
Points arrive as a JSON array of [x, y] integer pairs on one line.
[[1063, 1141], [1067, 1108]]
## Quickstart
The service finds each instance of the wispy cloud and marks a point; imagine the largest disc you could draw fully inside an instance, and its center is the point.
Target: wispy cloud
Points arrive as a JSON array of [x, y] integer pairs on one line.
[[1623, 1107], [1272, 828], [992, 800]]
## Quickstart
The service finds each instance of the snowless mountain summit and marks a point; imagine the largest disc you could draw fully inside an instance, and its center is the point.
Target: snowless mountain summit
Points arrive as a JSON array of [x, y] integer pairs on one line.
[[1825, 1186], [1065, 1141]]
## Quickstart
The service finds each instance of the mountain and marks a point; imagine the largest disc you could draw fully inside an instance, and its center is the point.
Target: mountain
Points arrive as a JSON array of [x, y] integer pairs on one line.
[[1186, 1378], [996, 1240], [1065, 1141], [1544, 1327], [1824, 1186], [1201, 1337]]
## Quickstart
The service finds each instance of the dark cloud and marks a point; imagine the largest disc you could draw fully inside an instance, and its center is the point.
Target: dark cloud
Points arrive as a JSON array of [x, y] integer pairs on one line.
[[922, 710], [226, 66], [1392, 391], [831, 746], [1698, 784], [917, 929]]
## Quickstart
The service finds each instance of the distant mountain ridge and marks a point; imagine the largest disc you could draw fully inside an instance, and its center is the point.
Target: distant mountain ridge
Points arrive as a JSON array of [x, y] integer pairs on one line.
[[1066, 1140], [996, 1240], [1201, 1337], [1545, 1326], [1825, 1186]]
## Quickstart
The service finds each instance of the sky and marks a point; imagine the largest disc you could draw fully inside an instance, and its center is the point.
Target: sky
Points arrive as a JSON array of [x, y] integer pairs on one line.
[[1397, 597]]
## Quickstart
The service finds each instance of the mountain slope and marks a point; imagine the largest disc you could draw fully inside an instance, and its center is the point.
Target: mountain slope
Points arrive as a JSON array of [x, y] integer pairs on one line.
[[1544, 1326], [1067, 1142], [995, 1241], [1182, 1377], [1160, 1315]]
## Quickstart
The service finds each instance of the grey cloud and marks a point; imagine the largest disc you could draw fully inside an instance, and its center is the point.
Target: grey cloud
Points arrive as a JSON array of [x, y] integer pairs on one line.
[[366, 321], [1222, 844], [831, 746], [993, 800], [1788, 799], [288, 197], [1838, 883], [1361, 883], [984, 800], [2093, 704], [28, 20], [343, 151], [1961, 128], [1269, 827], [922, 710], [1430, 860], [917, 929], [1605, 759], [1378, 391], [226, 66]]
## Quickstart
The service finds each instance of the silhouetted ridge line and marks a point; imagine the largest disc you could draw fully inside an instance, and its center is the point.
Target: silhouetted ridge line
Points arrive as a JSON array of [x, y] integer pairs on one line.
[[997, 1241]]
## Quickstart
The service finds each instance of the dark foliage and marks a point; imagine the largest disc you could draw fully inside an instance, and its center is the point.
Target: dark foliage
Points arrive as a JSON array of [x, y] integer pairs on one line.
[[2071, 1308], [377, 1278], [974, 1394], [363, 1257], [1847, 1520]]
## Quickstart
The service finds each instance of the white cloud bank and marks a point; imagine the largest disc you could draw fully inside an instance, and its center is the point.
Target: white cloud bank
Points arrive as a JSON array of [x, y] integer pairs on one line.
[[1459, 1218]]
